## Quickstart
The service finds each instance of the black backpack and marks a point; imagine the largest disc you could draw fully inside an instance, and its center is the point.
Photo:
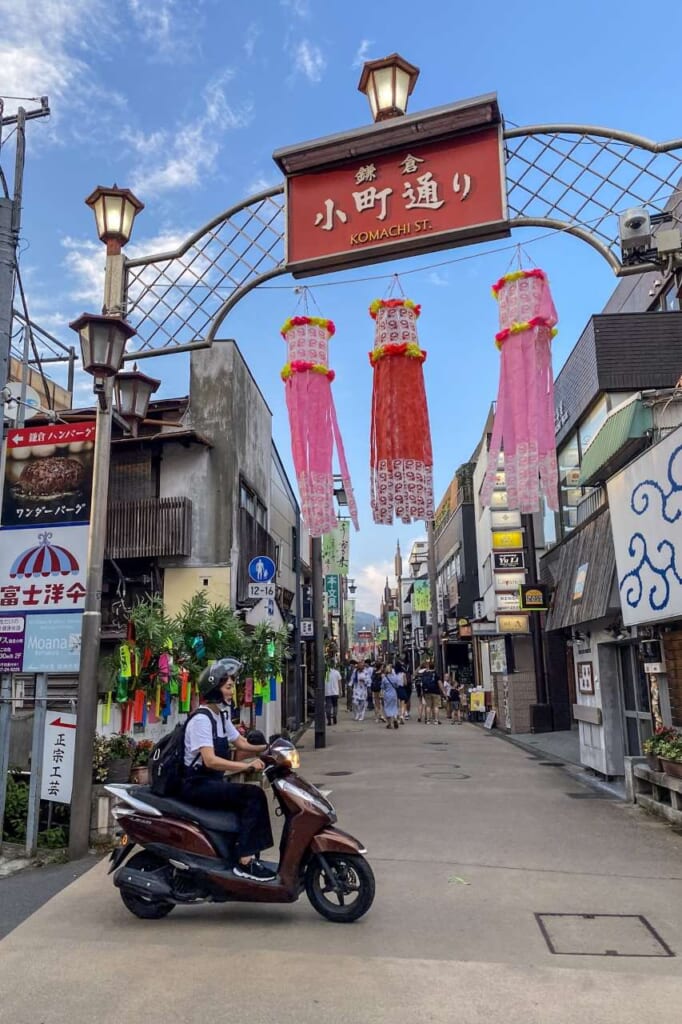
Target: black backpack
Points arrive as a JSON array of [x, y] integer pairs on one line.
[[167, 759]]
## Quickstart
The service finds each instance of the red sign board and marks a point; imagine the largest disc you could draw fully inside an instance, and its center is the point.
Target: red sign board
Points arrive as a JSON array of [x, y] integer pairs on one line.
[[416, 198]]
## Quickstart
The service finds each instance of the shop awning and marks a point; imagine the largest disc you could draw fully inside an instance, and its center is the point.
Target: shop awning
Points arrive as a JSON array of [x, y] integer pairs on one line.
[[583, 576], [619, 436]]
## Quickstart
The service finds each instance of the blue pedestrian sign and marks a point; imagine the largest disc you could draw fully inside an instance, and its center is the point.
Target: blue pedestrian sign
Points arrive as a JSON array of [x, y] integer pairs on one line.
[[261, 569]]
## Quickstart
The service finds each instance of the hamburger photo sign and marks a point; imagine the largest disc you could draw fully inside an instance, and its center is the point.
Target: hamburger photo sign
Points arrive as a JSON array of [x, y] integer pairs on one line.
[[48, 475]]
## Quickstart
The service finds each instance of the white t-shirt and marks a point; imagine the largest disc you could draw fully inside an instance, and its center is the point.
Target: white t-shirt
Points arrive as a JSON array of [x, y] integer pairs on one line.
[[199, 733], [332, 683]]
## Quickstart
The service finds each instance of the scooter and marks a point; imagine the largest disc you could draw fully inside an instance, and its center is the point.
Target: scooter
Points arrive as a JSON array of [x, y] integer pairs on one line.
[[188, 853]]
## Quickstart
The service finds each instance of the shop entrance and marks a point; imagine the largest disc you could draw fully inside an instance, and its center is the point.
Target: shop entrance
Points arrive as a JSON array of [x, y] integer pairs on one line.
[[634, 689]]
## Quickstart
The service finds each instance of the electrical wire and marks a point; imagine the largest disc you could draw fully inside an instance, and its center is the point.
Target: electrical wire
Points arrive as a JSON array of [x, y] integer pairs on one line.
[[48, 396]]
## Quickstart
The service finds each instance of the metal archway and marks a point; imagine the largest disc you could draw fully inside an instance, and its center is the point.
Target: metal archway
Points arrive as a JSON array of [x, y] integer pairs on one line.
[[568, 177]]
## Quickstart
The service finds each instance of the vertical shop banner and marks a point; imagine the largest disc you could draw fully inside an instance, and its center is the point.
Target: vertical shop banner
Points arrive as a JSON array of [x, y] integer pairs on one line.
[[59, 747], [336, 550], [421, 596], [44, 546], [393, 625], [331, 589]]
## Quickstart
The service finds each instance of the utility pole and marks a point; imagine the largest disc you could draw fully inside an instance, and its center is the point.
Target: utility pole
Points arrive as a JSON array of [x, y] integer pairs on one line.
[[318, 620]]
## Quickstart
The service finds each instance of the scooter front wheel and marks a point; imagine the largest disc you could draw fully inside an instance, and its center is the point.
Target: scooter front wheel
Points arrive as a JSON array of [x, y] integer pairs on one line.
[[347, 894]]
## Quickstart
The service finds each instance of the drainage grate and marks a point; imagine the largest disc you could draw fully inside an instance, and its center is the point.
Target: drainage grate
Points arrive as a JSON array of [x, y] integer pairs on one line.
[[436, 743], [445, 775], [338, 773], [592, 796], [552, 764], [628, 935]]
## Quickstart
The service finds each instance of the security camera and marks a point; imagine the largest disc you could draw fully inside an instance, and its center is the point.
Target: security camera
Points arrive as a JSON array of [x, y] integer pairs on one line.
[[634, 228]]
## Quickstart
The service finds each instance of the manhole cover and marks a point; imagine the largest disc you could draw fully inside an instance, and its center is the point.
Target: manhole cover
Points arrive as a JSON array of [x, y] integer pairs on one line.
[[445, 775], [601, 935], [591, 796], [337, 773]]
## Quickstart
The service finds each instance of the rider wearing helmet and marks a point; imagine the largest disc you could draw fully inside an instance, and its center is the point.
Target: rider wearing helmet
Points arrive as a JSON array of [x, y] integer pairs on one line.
[[207, 769]]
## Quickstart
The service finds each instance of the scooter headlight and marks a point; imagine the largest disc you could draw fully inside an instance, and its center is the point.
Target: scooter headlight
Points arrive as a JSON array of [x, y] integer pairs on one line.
[[294, 759]]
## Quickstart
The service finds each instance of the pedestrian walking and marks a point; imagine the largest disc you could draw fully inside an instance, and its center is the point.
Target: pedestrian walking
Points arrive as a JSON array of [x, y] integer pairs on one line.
[[377, 701], [332, 685], [350, 679], [433, 691], [399, 671], [389, 693], [455, 714], [361, 687], [419, 690]]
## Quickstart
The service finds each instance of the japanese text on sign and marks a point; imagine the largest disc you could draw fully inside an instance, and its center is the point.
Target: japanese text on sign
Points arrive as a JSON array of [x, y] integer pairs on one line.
[[58, 754]]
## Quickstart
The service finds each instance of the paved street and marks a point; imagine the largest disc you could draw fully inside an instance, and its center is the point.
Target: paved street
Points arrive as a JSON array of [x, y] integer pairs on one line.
[[470, 838]]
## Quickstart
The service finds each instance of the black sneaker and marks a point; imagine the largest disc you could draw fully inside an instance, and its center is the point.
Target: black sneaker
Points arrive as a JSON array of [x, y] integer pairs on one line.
[[256, 871]]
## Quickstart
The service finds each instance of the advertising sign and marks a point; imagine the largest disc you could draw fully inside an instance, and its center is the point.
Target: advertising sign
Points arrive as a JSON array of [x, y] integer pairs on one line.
[[331, 589], [507, 539], [393, 625], [533, 597], [497, 652], [421, 596], [509, 580], [414, 198], [11, 643], [59, 747], [508, 602], [48, 475], [43, 570], [509, 560], [505, 520], [645, 518], [336, 549], [509, 623], [53, 642]]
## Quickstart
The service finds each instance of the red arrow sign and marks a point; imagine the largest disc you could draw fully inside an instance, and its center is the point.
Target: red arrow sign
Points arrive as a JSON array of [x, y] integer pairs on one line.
[[63, 725]]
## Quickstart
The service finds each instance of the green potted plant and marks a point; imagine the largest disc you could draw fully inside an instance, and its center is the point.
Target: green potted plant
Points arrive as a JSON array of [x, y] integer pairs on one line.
[[670, 753], [119, 753], [652, 745], [139, 773]]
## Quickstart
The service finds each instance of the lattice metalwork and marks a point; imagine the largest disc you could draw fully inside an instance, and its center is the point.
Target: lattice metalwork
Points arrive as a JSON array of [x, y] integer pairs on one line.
[[580, 178], [570, 177], [180, 298]]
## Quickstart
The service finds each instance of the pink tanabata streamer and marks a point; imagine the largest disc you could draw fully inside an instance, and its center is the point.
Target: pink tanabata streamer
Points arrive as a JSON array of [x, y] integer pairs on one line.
[[524, 417], [314, 427]]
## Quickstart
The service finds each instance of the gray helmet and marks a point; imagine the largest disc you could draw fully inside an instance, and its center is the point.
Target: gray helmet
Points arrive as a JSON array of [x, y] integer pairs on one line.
[[215, 675]]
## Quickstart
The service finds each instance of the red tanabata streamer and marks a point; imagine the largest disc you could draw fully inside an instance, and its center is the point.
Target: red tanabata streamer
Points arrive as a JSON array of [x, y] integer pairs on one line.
[[312, 419], [401, 459], [524, 416]]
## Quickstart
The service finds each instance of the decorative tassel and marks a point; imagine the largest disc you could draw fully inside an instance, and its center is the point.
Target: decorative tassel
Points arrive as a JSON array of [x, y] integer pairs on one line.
[[106, 709]]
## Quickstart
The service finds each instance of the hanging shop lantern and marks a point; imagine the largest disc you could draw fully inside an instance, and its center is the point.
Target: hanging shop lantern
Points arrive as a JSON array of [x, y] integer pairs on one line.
[[313, 422], [401, 460], [524, 416]]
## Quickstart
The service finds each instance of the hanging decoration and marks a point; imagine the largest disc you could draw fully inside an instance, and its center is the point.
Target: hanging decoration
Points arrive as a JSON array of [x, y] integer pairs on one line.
[[401, 459], [524, 416], [313, 422]]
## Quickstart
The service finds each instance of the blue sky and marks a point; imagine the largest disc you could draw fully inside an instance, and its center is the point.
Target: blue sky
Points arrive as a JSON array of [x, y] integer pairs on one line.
[[184, 101]]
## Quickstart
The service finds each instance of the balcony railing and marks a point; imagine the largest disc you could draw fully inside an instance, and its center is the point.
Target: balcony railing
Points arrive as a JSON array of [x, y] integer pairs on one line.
[[149, 528], [591, 503]]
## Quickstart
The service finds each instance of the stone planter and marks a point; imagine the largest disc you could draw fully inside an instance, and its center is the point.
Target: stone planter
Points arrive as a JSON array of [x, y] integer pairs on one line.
[[139, 775], [118, 769], [672, 768]]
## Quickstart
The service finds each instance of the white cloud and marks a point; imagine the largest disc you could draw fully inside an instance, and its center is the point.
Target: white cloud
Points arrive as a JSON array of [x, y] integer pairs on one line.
[[46, 53], [309, 60], [299, 8], [363, 50], [438, 280], [183, 157], [169, 26], [253, 33]]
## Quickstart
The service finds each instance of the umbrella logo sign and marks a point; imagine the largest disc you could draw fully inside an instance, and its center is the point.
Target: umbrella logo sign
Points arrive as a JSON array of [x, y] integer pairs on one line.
[[44, 559]]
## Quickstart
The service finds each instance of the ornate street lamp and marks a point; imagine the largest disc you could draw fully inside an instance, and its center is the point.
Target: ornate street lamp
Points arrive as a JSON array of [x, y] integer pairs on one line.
[[351, 587], [115, 210], [103, 341], [387, 83], [133, 391]]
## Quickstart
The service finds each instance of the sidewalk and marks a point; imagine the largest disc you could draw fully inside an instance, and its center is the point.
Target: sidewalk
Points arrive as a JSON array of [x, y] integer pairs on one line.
[[507, 893]]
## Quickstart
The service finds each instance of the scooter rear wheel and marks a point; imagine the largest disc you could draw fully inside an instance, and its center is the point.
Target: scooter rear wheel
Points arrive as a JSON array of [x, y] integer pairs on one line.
[[147, 909], [348, 894]]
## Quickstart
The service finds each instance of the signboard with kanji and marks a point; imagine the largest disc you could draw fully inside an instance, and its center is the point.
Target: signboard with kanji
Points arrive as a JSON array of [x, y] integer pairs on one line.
[[43, 570], [11, 642], [48, 475], [59, 747], [417, 197], [331, 588]]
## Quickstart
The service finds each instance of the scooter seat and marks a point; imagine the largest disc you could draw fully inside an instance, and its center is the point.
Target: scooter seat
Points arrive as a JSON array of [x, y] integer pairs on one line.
[[215, 821]]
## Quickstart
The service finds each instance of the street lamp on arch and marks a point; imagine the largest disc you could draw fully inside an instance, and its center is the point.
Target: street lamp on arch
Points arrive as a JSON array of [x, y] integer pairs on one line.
[[133, 391], [387, 83], [115, 210]]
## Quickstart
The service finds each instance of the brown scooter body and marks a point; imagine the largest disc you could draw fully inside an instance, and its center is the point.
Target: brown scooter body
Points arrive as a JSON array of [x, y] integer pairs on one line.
[[189, 857]]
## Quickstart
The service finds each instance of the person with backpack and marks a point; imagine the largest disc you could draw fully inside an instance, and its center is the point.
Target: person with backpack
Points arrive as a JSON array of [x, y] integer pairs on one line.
[[433, 691], [206, 763]]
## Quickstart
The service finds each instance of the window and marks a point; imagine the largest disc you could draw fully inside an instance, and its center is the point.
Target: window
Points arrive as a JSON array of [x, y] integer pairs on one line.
[[592, 423], [670, 300], [569, 473], [253, 505]]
